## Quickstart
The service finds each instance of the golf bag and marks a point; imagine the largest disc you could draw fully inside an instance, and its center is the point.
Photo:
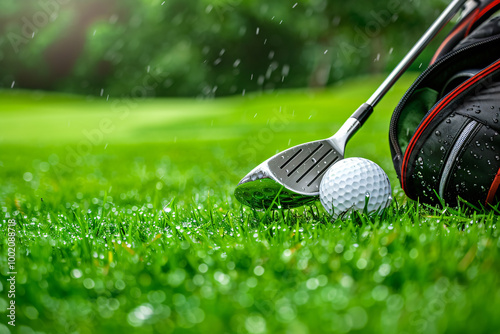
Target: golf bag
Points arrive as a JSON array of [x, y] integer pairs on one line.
[[444, 134]]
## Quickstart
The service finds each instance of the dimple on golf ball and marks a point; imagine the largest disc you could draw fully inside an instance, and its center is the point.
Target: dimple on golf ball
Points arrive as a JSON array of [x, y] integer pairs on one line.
[[353, 183]]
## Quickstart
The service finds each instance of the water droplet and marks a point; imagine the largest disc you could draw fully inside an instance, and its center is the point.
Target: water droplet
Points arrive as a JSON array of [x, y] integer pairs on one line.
[[478, 111], [313, 160], [438, 133], [448, 121]]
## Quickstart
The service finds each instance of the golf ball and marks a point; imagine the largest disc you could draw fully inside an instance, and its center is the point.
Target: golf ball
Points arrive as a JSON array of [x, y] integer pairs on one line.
[[352, 184]]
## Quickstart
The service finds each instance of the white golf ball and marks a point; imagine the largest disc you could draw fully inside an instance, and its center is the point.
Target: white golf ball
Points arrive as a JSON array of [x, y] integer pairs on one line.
[[352, 184]]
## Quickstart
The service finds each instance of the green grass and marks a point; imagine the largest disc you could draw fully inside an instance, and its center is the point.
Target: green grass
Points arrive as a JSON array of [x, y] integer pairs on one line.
[[135, 230]]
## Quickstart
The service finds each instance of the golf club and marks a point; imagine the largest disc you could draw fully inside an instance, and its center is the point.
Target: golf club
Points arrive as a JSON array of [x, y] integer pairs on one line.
[[291, 178]]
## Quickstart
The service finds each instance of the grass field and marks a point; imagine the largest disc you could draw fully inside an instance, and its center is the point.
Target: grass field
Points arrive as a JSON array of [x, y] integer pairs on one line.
[[125, 223]]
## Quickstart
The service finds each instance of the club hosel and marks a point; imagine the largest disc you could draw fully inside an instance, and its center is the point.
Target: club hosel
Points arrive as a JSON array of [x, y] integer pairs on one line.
[[342, 136], [349, 128], [363, 112]]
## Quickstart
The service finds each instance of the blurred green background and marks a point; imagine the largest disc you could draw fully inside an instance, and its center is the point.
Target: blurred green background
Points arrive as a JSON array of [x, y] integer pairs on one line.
[[121, 179], [203, 48]]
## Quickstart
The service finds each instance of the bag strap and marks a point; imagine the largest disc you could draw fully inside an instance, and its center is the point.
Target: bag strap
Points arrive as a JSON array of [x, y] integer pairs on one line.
[[481, 11]]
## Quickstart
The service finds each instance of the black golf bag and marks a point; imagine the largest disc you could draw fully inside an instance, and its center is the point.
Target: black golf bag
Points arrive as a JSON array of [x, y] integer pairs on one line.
[[444, 134]]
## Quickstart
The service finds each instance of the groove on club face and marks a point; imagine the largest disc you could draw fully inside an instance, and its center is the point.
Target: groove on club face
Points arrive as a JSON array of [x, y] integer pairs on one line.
[[290, 159], [301, 168]]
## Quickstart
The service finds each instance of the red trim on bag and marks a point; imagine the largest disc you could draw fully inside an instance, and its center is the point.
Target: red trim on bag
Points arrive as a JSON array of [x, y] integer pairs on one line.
[[448, 98], [474, 16], [493, 189], [455, 31], [485, 10]]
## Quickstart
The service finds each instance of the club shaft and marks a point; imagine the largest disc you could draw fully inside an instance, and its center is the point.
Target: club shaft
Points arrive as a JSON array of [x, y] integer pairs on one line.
[[434, 29]]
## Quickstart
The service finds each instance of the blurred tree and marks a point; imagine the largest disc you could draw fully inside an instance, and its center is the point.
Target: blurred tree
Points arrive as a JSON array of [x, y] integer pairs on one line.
[[202, 47]]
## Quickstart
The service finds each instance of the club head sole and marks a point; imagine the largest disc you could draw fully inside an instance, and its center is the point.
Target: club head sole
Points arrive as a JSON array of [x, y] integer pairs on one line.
[[266, 193]]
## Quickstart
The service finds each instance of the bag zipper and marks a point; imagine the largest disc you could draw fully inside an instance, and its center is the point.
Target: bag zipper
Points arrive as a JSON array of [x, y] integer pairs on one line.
[[393, 124], [471, 128]]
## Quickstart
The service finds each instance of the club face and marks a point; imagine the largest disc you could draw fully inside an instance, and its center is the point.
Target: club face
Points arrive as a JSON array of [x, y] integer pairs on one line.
[[290, 178], [301, 168]]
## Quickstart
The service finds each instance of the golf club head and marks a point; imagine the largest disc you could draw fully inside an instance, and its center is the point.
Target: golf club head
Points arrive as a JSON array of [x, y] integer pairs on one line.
[[290, 178]]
